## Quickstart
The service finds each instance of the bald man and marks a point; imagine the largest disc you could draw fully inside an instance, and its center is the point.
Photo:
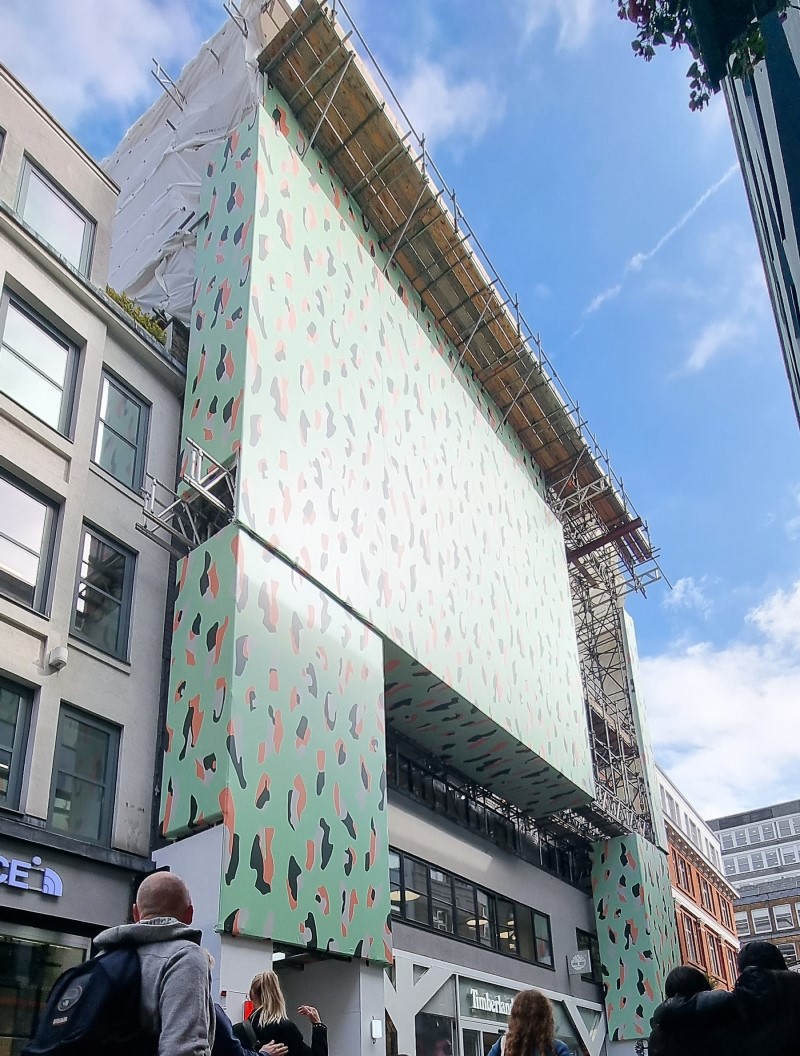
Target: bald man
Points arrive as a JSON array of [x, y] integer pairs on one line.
[[176, 1005]]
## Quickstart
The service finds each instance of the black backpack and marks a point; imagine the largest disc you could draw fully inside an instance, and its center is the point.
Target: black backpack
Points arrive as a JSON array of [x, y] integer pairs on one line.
[[94, 1009]]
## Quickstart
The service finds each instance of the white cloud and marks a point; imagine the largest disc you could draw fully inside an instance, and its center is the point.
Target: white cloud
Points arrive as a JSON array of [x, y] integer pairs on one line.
[[741, 285], [445, 108], [92, 54], [713, 338], [575, 20], [636, 262], [724, 718], [688, 594], [601, 298]]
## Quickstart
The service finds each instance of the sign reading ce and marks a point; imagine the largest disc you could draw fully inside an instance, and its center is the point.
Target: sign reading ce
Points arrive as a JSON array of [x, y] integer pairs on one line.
[[17, 873]]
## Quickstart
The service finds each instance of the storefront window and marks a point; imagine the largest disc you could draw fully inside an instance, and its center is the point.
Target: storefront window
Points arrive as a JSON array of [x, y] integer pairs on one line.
[[435, 1025], [565, 1030], [28, 969]]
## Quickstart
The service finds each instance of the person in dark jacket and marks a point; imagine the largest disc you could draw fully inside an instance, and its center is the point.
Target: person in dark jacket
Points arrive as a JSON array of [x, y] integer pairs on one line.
[[768, 1000], [269, 1022], [227, 1044], [761, 1015], [691, 1018], [531, 1029]]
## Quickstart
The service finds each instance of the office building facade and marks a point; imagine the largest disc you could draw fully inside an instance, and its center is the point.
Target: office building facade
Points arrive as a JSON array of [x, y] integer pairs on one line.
[[89, 404], [761, 859], [763, 112], [704, 899], [404, 711]]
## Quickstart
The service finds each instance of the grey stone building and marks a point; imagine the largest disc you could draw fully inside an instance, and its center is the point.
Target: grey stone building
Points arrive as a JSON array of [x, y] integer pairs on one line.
[[89, 405], [763, 111]]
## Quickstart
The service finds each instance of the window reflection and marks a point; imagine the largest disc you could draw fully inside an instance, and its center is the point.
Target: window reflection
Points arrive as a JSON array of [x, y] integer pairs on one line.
[[58, 222], [426, 895]]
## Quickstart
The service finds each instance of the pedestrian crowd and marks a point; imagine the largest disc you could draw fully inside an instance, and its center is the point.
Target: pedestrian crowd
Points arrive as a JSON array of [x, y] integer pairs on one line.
[[148, 993], [761, 1015]]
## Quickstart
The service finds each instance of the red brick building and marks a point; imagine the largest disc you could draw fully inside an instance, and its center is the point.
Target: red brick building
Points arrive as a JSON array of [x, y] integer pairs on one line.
[[703, 897]]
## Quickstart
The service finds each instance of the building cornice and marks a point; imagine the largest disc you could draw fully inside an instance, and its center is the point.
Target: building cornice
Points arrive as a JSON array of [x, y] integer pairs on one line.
[[676, 838], [59, 129]]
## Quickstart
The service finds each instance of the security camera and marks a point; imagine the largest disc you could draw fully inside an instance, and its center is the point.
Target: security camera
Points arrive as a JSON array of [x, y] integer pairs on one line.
[[58, 657]]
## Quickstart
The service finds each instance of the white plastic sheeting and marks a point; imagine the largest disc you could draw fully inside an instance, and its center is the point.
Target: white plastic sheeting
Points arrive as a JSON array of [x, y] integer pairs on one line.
[[159, 164]]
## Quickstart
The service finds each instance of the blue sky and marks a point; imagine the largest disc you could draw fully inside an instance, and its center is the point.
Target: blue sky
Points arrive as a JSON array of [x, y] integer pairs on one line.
[[577, 164]]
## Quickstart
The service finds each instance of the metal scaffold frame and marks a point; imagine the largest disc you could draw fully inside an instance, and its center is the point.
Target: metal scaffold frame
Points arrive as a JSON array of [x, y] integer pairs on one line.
[[345, 104], [180, 521]]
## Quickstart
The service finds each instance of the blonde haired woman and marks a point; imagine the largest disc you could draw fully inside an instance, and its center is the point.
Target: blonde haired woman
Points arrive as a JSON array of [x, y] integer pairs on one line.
[[531, 1029], [268, 1023]]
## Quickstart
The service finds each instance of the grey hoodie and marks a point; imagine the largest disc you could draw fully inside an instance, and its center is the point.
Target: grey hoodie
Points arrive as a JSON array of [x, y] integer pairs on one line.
[[176, 983]]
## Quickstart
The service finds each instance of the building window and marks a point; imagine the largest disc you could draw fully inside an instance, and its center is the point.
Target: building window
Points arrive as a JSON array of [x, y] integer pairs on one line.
[[682, 874], [37, 364], [741, 838], [730, 867], [785, 827], [743, 863], [772, 859], [104, 592], [768, 830], [121, 438], [783, 918], [761, 921], [715, 954], [415, 891], [727, 841], [58, 220], [706, 895], [730, 959], [587, 941], [426, 895], [15, 712], [725, 912], [82, 802], [742, 924], [689, 938], [789, 951], [507, 927], [442, 911], [26, 543]]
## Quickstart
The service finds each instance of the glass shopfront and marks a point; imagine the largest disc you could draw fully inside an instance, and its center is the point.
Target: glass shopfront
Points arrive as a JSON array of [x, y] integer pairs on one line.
[[30, 962], [484, 1013]]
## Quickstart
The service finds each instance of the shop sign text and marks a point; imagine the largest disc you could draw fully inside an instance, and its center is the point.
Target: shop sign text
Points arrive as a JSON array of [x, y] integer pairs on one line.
[[483, 1001], [30, 876]]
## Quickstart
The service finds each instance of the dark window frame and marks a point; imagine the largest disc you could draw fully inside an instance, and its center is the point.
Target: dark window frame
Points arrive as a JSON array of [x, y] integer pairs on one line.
[[44, 576], [122, 650], [109, 794], [29, 165], [142, 434], [493, 897], [19, 746], [68, 393], [589, 943]]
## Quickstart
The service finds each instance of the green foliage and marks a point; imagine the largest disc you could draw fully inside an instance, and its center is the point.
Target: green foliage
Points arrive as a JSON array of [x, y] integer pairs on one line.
[[148, 322], [669, 22]]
